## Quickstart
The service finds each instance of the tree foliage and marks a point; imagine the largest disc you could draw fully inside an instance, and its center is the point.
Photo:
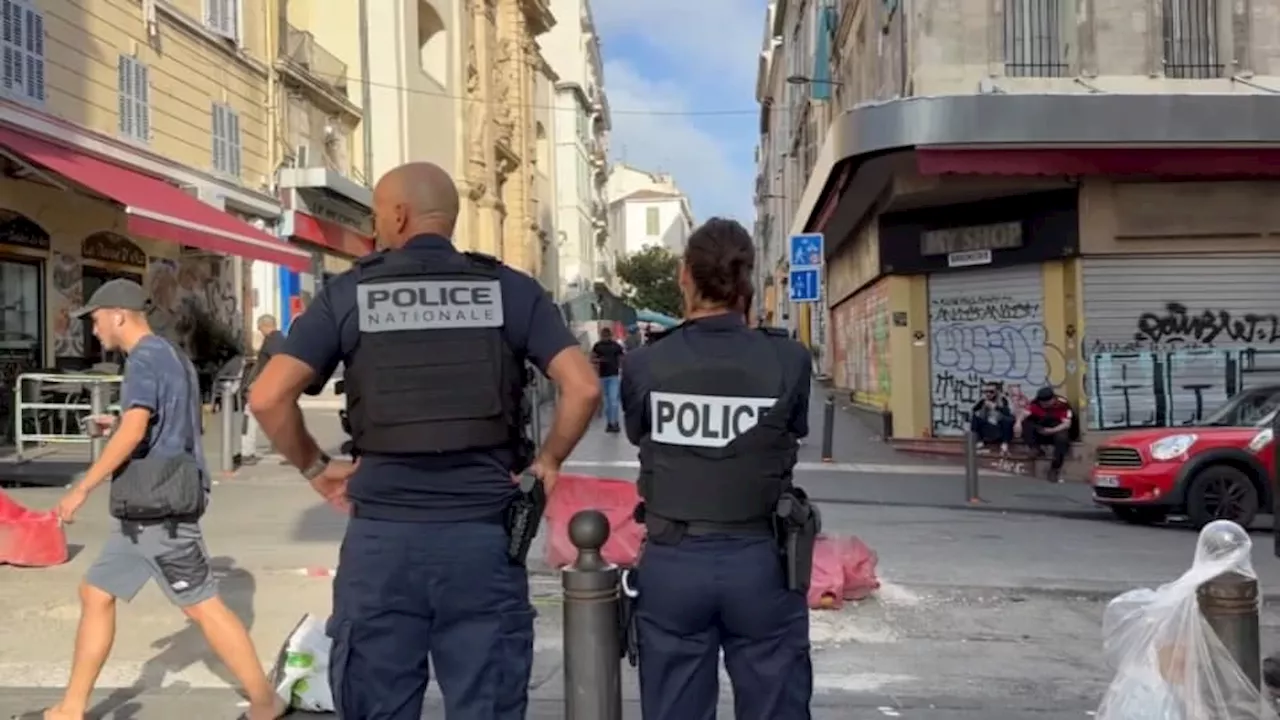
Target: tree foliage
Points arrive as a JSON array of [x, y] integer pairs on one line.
[[650, 277]]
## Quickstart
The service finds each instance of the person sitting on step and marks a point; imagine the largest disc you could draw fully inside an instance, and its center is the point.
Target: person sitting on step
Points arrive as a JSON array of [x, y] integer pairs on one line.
[[1049, 420], [991, 418]]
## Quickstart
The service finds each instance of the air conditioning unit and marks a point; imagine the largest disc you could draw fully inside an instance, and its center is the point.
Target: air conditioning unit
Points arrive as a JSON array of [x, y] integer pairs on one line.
[[302, 157]]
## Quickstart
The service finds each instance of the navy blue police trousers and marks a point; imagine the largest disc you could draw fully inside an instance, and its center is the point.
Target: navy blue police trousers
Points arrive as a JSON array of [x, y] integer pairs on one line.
[[405, 591], [711, 592]]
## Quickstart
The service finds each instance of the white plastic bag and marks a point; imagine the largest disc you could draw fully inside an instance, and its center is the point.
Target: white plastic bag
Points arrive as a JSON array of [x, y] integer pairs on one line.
[[301, 672], [1170, 665]]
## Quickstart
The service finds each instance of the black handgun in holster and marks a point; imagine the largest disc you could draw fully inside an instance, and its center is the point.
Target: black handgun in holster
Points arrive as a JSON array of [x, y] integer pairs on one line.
[[524, 515], [799, 523]]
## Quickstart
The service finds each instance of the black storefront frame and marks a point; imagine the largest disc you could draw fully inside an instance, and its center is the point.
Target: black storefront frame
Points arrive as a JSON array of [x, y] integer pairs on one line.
[[1050, 231]]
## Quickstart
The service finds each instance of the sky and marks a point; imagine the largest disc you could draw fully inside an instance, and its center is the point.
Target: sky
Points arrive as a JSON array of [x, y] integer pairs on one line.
[[680, 78]]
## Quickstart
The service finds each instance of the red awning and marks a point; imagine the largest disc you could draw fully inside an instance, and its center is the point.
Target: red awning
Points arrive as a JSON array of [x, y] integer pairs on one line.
[[1161, 162], [156, 209], [338, 238]]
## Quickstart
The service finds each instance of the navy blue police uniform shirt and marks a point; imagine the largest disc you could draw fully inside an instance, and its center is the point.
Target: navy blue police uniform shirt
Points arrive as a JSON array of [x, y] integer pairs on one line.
[[447, 486], [721, 335]]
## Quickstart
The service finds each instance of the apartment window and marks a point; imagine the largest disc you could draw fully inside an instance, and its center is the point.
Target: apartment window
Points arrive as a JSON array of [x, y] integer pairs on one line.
[[1191, 39], [22, 51], [226, 140], [135, 99], [223, 18], [652, 222], [1034, 38]]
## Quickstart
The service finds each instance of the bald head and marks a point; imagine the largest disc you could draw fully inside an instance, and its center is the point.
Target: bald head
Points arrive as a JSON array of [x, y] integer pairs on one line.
[[414, 199]]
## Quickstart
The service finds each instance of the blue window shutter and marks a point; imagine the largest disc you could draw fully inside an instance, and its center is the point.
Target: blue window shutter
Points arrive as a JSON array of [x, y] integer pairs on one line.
[[820, 87]]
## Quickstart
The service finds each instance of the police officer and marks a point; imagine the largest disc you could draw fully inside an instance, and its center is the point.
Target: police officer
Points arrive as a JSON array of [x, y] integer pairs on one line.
[[434, 342], [716, 408]]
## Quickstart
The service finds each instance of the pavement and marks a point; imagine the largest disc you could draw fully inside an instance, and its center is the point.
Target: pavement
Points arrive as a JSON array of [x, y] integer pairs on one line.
[[1023, 588]]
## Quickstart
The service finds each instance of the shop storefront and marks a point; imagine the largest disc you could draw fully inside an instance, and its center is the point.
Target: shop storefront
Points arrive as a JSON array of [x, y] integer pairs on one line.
[[23, 247], [989, 316], [329, 216]]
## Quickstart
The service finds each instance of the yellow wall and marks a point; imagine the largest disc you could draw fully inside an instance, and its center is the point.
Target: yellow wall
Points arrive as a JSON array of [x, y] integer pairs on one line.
[[190, 69]]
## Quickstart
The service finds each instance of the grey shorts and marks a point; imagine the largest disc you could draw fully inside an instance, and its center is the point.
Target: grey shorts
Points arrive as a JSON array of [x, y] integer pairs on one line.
[[179, 564]]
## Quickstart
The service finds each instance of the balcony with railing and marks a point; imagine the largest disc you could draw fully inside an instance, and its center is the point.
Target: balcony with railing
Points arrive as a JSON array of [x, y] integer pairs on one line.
[[304, 54]]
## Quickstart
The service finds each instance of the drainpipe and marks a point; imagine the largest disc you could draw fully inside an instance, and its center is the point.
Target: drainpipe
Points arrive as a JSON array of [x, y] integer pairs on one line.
[[366, 93]]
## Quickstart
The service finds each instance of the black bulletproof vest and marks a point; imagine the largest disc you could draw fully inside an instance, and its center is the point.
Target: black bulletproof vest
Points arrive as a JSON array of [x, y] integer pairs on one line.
[[719, 449], [431, 372]]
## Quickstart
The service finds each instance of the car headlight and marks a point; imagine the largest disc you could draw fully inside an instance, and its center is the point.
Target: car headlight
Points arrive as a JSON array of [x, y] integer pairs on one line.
[[1172, 447], [1261, 440]]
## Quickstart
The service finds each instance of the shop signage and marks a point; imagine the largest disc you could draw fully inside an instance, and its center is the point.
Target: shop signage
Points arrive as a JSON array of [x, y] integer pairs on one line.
[[962, 240], [112, 248], [969, 258], [19, 230], [320, 205]]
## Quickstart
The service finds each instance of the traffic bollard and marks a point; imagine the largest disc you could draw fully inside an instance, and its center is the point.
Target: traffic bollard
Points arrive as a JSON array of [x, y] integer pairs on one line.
[[1230, 606], [97, 408], [829, 429], [592, 645], [971, 491], [227, 448]]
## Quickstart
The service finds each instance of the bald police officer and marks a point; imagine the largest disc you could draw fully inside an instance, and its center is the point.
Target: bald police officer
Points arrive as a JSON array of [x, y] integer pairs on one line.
[[716, 408], [434, 343]]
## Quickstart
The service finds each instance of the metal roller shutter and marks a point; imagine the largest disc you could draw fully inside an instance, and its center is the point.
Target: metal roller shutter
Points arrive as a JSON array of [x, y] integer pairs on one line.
[[1169, 338], [984, 326]]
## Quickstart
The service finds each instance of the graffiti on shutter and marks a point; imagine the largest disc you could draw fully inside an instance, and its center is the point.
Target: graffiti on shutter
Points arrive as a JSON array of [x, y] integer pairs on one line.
[[1169, 339], [987, 326]]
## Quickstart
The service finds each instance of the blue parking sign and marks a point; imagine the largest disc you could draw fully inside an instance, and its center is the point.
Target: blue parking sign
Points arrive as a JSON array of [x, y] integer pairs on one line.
[[806, 250], [805, 285]]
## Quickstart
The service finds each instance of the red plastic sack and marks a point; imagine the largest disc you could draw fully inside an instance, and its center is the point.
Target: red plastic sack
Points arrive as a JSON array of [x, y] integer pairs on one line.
[[844, 568], [29, 538], [617, 499]]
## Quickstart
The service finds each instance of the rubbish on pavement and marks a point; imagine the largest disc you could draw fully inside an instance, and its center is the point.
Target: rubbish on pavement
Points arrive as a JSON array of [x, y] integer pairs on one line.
[[1169, 663], [301, 673], [29, 538], [844, 568]]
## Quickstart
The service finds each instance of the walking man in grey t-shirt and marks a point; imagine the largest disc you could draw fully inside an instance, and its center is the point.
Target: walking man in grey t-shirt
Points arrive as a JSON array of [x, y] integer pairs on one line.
[[160, 417]]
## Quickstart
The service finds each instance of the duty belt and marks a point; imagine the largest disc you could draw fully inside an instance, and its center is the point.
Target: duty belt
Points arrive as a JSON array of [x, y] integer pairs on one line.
[[750, 527]]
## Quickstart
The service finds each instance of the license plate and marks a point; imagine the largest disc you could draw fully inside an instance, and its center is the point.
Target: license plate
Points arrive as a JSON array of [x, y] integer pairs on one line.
[[1106, 481]]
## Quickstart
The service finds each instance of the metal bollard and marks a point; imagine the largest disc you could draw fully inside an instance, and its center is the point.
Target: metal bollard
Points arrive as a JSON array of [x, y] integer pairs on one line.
[[592, 646], [971, 491], [1230, 606], [226, 449], [97, 408], [829, 429]]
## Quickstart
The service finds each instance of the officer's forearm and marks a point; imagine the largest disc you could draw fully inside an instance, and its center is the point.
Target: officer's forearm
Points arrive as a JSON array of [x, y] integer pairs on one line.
[[284, 425], [573, 416]]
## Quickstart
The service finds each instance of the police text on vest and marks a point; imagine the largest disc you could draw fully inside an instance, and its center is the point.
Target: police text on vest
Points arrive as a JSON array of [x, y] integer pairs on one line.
[[429, 305], [703, 420]]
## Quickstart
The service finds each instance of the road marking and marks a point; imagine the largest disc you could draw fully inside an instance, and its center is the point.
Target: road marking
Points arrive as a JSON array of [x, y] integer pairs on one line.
[[864, 468]]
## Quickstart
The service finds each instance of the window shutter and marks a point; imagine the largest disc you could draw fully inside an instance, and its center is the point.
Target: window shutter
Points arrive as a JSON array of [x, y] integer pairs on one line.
[[35, 58], [219, 140], [233, 137], [18, 16], [142, 91], [213, 13], [233, 19], [124, 79]]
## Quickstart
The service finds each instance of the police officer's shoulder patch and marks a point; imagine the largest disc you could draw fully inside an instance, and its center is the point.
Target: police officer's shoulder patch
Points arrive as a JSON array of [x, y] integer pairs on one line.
[[429, 304]]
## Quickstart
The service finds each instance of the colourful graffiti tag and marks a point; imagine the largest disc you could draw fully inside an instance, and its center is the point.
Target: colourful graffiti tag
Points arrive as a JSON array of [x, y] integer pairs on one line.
[[861, 346]]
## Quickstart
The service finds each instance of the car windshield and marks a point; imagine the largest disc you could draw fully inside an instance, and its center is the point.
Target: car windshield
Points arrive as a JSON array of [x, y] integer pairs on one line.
[[1246, 409]]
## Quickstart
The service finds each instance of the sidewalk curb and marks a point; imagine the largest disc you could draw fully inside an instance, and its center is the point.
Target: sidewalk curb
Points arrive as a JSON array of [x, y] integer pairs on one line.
[[1066, 513]]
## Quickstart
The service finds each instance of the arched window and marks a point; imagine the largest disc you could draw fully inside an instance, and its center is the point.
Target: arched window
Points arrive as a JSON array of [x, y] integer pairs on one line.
[[433, 44], [543, 157]]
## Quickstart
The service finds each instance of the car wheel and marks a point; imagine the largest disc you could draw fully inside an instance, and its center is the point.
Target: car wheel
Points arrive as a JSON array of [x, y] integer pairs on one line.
[[1140, 515], [1221, 492]]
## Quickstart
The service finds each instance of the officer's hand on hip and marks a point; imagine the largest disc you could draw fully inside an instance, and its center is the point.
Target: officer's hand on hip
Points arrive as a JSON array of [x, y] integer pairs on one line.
[[332, 483], [546, 470]]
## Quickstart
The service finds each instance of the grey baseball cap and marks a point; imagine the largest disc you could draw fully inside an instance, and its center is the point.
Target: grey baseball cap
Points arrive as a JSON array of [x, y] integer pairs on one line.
[[118, 294]]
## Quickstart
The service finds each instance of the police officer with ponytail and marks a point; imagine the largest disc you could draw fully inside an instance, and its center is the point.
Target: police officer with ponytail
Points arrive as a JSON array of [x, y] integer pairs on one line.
[[434, 342], [716, 408]]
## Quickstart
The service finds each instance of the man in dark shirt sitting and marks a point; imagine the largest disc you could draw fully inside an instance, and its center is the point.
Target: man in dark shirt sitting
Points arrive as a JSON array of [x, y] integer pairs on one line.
[[991, 418], [1048, 421], [607, 356]]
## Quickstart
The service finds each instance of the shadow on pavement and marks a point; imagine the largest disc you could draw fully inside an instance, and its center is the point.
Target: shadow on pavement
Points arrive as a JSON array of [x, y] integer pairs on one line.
[[180, 650], [319, 523]]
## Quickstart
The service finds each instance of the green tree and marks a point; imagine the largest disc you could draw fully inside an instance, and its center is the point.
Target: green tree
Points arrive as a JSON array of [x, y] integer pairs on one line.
[[650, 277]]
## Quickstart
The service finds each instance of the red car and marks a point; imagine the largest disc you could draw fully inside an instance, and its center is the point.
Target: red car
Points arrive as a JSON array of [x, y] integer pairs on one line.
[[1220, 468]]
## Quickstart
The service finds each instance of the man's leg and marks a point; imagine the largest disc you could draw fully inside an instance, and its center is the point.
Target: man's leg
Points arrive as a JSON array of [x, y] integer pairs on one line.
[[179, 562], [677, 632], [1006, 433], [249, 442], [382, 620], [612, 400], [482, 640], [119, 572], [1061, 447]]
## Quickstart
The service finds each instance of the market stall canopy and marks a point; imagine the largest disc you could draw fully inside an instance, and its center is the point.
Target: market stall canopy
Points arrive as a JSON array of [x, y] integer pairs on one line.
[[598, 304], [649, 316]]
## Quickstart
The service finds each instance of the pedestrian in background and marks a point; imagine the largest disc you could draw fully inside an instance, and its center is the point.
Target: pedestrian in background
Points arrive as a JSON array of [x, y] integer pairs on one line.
[[607, 354], [272, 344], [434, 343]]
